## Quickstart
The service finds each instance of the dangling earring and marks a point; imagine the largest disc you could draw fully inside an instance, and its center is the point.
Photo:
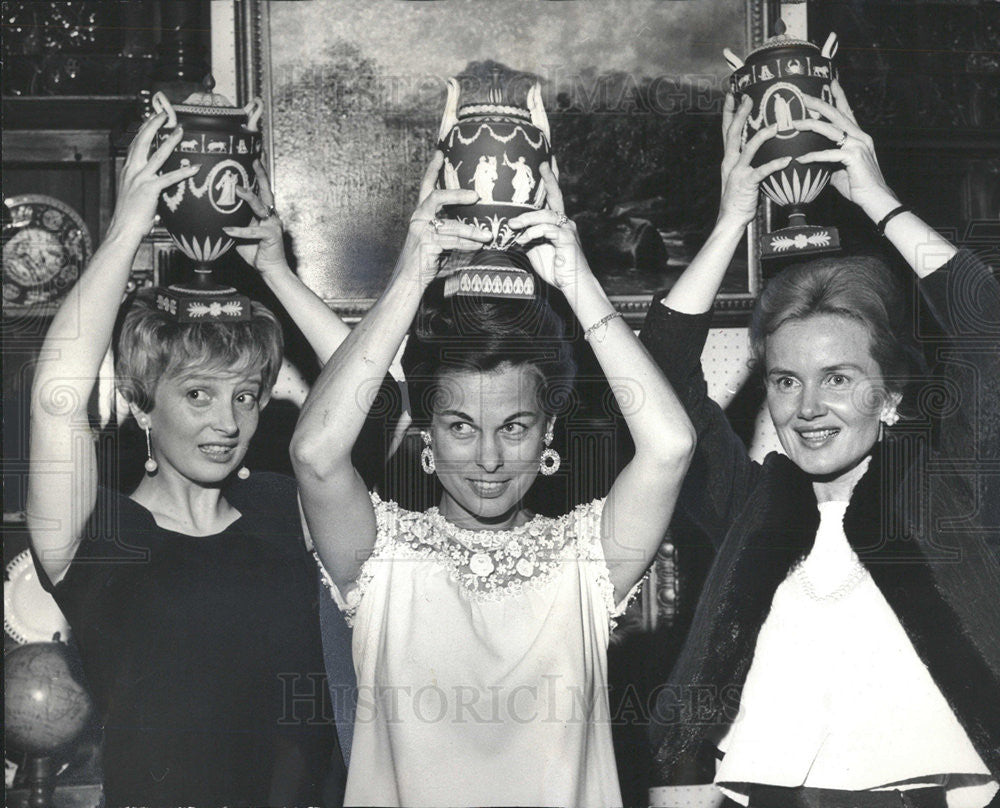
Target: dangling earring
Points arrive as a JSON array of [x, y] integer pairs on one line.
[[548, 463], [243, 473], [427, 455], [151, 464], [889, 417]]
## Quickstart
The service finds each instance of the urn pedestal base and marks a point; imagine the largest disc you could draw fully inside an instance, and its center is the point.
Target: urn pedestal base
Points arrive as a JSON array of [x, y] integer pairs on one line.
[[799, 240], [492, 273], [203, 301]]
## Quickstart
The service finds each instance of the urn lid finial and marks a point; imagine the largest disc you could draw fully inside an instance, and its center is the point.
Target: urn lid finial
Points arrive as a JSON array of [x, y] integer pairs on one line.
[[781, 39], [207, 98], [495, 94], [490, 88]]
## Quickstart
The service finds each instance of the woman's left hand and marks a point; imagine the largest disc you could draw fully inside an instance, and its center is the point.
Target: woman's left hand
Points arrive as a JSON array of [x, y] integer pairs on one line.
[[265, 234], [860, 180], [557, 255]]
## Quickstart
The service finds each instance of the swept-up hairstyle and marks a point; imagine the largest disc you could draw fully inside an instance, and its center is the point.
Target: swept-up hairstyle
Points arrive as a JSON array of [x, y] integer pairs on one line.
[[150, 344], [859, 287], [482, 335]]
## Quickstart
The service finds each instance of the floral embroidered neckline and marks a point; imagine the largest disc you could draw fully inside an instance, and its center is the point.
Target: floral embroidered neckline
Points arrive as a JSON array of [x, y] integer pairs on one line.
[[483, 538], [487, 565], [489, 561]]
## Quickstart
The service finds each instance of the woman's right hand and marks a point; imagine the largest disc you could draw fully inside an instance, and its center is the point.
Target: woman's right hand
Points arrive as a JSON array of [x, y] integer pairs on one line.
[[428, 236], [741, 182], [140, 186]]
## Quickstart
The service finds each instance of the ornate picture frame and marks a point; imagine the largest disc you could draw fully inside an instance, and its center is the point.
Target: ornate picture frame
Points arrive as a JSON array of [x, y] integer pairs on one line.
[[383, 134]]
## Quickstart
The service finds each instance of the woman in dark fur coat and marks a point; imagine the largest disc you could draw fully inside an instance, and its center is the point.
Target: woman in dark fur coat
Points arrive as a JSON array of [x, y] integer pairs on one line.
[[845, 650]]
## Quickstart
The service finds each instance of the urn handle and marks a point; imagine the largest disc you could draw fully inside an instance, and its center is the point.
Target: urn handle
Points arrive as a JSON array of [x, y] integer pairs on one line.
[[162, 104], [735, 62], [254, 110], [830, 46]]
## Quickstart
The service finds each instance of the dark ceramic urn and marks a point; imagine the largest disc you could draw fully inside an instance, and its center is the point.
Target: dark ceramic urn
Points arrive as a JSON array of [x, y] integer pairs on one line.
[[223, 141], [495, 149], [777, 77]]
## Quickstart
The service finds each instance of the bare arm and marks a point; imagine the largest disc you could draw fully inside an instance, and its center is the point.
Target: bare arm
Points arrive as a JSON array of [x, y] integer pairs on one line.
[[641, 499], [335, 501], [62, 473], [695, 290], [861, 181], [321, 326]]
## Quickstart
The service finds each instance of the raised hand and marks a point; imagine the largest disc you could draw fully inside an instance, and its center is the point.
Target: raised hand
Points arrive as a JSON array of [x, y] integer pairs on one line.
[[741, 182], [428, 236], [553, 243], [860, 180], [263, 246], [140, 186]]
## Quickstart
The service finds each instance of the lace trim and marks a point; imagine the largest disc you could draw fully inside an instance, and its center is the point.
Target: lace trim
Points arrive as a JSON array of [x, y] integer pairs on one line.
[[602, 580], [332, 588], [348, 603], [489, 565]]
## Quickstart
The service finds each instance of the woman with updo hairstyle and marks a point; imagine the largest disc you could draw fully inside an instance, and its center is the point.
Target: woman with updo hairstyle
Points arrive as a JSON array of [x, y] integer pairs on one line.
[[192, 599], [481, 628], [846, 637], [481, 334], [859, 287]]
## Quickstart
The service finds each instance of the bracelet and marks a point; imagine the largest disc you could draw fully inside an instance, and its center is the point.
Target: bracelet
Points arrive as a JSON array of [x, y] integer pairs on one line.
[[603, 321], [892, 214]]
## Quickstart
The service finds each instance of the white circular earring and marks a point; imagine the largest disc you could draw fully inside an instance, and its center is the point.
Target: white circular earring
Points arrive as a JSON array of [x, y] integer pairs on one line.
[[548, 463], [427, 455], [243, 473], [151, 465], [889, 417]]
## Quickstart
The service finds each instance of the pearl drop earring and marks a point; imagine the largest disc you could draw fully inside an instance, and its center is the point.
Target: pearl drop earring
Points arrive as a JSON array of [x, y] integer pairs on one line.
[[151, 465]]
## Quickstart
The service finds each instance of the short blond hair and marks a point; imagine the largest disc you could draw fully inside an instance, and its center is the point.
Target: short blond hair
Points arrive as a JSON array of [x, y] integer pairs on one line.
[[150, 344]]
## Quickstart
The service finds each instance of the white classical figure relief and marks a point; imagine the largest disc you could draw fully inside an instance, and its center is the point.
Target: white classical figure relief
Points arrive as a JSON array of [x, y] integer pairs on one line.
[[523, 182], [780, 105], [217, 147], [226, 186], [485, 178], [451, 181], [191, 145], [782, 113]]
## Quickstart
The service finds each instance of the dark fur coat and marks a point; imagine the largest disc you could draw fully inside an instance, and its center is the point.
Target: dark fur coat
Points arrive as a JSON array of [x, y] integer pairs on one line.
[[924, 520]]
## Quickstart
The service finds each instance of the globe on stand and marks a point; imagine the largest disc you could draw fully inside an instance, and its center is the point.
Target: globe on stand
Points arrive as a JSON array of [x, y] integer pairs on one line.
[[46, 707]]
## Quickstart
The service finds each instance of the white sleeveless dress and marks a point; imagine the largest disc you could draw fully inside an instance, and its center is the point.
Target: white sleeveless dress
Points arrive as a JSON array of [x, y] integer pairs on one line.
[[481, 663]]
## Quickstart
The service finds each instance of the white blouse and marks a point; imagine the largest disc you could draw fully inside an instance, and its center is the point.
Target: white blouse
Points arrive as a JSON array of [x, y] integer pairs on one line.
[[481, 663], [836, 696]]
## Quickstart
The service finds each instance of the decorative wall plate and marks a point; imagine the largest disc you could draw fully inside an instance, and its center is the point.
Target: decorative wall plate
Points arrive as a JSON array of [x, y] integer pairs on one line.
[[46, 245], [29, 612]]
